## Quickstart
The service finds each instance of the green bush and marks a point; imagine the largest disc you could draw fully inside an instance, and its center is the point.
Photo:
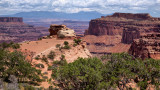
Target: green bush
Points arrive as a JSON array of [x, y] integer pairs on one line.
[[14, 63], [40, 38], [50, 68], [11, 45], [51, 55], [37, 57], [44, 77], [39, 65], [66, 47], [44, 59], [66, 43], [120, 70], [15, 46], [75, 44], [58, 45], [77, 41]]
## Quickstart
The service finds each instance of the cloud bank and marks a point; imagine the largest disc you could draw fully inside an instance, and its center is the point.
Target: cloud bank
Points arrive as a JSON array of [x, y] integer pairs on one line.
[[74, 6]]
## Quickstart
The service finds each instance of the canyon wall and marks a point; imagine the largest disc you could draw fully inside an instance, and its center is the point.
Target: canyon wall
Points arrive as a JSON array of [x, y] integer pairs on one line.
[[11, 19], [148, 46], [13, 29], [129, 26]]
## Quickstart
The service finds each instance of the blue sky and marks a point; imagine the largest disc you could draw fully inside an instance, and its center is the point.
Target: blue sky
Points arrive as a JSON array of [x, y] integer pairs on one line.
[[74, 6]]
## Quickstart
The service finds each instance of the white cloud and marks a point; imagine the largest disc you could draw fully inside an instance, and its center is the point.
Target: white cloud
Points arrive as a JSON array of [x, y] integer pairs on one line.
[[73, 6]]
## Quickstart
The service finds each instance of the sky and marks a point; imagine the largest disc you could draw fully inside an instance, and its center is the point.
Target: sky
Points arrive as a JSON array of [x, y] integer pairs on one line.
[[73, 6]]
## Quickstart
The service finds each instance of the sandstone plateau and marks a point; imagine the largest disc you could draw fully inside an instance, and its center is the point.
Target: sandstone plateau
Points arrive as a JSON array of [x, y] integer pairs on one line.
[[13, 29]]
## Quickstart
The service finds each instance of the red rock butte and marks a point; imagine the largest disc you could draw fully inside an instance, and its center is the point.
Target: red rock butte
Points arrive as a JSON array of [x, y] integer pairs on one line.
[[11, 19]]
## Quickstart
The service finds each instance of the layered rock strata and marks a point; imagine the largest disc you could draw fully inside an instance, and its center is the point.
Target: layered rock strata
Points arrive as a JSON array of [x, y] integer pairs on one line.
[[130, 26], [11, 19], [148, 46]]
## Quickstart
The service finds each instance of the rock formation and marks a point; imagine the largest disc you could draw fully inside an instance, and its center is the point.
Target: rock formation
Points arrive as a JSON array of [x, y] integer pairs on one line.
[[13, 29], [148, 46], [130, 26], [11, 19], [61, 30]]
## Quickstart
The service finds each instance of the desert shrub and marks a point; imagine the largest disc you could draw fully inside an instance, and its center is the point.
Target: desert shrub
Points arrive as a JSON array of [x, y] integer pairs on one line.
[[40, 38], [37, 57], [51, 55], [39, 65], [50, 68], [66, 43], [14, 63], [66, 47], [120, 70], [44, 77], [15, 46], [83, 73], [59, 63], [44, 59], [77, 41], [75, 44], [11, 45], [58, 45]]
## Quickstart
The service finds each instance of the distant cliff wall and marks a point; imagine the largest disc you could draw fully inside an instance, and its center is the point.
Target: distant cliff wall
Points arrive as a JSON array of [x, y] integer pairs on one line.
[[11, 19]]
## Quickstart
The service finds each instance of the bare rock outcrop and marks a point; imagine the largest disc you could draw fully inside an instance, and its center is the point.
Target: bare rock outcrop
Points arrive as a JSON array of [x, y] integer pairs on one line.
[[148, 46], [61, 30]]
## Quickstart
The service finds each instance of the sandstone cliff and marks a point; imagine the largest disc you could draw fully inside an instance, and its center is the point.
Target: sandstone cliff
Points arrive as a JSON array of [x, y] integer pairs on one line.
[[148, 46], [11, 19], [130, 26]]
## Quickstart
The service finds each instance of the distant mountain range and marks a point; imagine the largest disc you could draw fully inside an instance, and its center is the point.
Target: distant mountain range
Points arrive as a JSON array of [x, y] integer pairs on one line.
[[58, 15]]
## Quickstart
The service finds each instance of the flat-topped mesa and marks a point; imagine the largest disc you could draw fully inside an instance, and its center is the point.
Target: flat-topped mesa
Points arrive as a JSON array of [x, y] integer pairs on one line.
[[148, 46], [138, 16], [61, 31], [11, 19]]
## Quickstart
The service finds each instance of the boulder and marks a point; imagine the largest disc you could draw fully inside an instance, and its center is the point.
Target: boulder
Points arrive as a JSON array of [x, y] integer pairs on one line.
[[66, 33], [55, 28]]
